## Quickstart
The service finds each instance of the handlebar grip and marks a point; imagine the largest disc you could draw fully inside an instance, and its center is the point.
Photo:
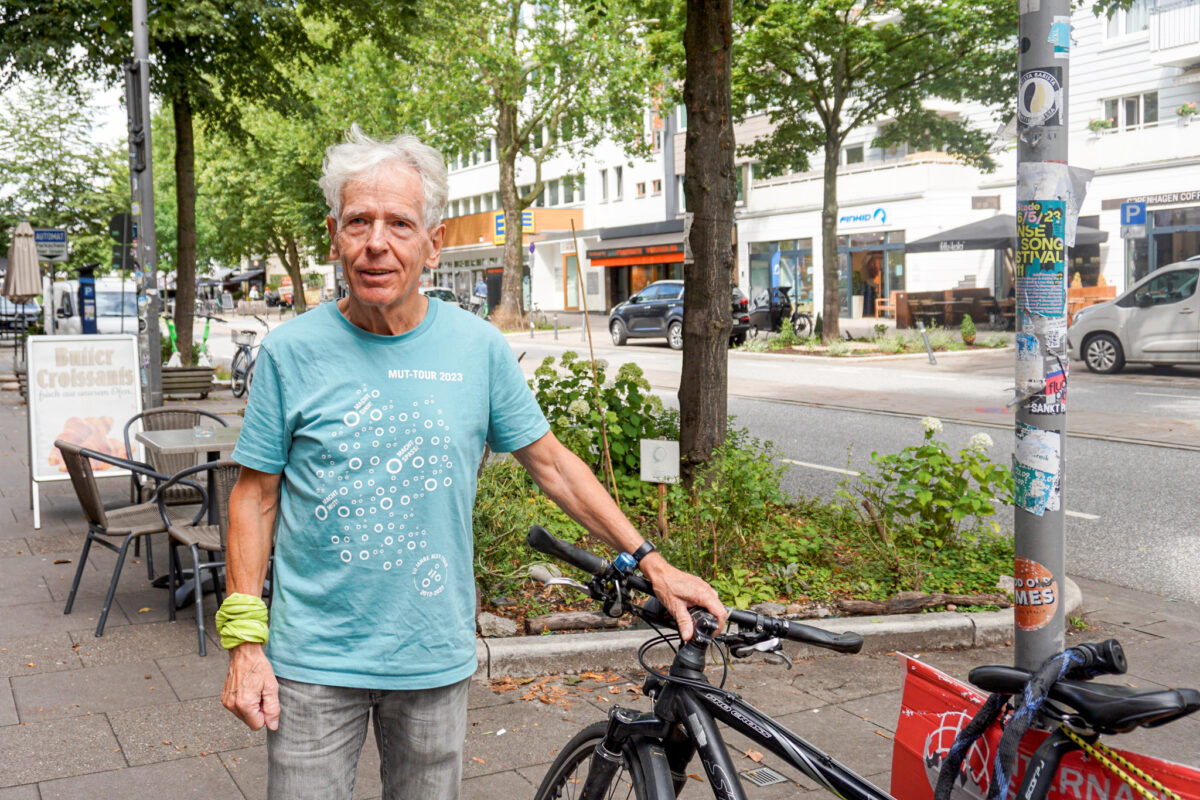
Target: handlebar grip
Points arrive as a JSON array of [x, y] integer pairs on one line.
[[838, 642], [1099, 658], [541, 540]]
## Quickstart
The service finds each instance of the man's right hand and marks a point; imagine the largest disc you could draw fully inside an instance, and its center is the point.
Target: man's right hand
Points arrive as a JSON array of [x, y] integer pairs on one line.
[[251, 691]]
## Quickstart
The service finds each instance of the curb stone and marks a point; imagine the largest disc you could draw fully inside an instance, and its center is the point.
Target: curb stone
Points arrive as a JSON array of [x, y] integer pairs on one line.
[[617, 650]]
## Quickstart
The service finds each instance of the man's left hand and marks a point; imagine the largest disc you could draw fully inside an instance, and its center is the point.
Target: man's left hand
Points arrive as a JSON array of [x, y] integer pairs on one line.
[[680, 590]]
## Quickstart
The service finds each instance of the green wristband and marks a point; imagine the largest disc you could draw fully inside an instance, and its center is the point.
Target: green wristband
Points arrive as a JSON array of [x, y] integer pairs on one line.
[[242, 618]]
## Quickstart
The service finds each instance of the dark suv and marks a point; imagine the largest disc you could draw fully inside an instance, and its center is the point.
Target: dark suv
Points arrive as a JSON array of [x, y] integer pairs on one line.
[[657, 310]]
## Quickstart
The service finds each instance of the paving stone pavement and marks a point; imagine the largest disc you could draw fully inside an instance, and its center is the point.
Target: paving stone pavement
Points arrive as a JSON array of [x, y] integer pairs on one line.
[[136, 713]]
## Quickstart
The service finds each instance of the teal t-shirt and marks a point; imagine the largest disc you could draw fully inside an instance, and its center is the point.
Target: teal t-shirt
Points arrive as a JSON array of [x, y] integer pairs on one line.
[[378, 439]]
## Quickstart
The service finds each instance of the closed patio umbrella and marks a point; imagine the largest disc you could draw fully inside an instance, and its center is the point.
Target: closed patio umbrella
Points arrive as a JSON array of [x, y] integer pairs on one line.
[[22, 282]]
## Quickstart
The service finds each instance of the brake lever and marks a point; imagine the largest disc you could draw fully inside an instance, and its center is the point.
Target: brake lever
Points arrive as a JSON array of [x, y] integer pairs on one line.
[[574, 584], [768, 647]]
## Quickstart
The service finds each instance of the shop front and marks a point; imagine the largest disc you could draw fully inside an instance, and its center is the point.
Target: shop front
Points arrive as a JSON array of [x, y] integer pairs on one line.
[[787, 262], [635, 256], [1172, 234], [870, 268]]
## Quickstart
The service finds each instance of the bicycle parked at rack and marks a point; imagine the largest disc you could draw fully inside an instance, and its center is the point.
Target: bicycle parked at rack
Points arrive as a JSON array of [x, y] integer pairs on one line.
[[241, 372], [646, 755]]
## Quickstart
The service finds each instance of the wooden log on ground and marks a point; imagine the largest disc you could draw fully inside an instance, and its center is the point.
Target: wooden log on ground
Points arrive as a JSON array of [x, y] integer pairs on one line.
[[570, 621], [915, 602]]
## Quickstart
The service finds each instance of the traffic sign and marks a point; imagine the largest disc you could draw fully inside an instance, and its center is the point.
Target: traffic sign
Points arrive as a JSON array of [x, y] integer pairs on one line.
[[1133, 214], [51, 243], [122, 228]]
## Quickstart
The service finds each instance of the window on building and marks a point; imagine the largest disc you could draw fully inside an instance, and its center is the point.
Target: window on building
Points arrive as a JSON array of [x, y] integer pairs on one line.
[[1124, 22], [853, 155], [656, 187], [1132, 112], [641, 188], [656, 141], [495, 199], [618, 186], [579, 188], [536, 138], [454, 208], [740, 175], [681, 111], [603, 186], [552, 193], [679, 193]]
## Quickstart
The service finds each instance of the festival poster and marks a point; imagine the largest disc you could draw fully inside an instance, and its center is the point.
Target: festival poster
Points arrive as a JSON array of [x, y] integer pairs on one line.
[[82, 389], [1042, 258]]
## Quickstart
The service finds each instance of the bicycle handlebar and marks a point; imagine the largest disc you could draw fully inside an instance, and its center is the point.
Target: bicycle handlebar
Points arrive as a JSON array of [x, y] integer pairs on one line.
[[544, 542]]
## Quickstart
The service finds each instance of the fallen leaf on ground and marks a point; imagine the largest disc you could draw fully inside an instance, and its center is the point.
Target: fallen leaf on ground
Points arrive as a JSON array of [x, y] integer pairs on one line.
[[143, 610], [756, 756], [62, 561], [478, 760]]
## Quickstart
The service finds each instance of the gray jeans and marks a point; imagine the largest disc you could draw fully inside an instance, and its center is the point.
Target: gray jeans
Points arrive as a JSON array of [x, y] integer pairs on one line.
[[314, 753]]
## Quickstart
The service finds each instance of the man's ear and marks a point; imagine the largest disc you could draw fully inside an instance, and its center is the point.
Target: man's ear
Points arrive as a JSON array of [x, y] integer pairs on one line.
[[331, 225], [436, 237]]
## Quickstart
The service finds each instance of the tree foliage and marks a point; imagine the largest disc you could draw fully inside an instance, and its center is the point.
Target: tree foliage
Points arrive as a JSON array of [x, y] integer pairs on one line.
[[825, 68], [54, 173], [546, 79]]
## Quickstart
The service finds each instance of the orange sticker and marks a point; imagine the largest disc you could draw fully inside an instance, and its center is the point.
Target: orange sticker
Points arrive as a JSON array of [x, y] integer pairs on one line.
[[1035, 594]]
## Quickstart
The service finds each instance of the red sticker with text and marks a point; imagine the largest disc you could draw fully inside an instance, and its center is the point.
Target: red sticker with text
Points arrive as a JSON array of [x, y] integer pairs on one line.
[[1035, 595]]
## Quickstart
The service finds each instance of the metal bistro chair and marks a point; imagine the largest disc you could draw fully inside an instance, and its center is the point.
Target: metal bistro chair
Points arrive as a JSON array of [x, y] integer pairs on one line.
[[164, 419], [199, 535], [130, 522]]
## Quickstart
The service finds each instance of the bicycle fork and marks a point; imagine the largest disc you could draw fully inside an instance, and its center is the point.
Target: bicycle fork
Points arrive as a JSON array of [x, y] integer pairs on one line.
[[624, 727]]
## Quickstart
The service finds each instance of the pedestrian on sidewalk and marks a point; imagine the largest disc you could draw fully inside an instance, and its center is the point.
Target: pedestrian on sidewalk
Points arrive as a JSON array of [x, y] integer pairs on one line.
[[363, 431]]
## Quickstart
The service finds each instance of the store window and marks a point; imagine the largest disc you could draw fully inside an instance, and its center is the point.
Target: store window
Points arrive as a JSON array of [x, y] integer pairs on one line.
[[782, 263]]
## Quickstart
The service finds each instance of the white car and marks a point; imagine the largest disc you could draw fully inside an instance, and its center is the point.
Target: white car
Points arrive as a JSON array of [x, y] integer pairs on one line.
[[1156, 321], [440, 292]]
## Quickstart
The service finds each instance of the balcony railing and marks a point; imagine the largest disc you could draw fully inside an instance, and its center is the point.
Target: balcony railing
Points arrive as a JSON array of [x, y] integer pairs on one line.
[[1175, 32]]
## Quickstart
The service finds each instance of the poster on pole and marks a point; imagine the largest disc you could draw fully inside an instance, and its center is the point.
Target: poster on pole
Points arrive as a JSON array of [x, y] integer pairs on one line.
[[82, 389]]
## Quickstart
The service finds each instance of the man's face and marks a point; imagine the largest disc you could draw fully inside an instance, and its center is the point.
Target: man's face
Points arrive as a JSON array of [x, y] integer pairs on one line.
[[381, 239]]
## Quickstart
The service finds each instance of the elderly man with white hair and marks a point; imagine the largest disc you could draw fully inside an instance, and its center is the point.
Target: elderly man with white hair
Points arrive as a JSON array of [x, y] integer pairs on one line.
[[364, 426]]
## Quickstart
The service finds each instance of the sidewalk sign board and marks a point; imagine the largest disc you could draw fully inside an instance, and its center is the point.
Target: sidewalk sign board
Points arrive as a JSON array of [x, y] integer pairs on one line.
[[82, 389], [51, 243]]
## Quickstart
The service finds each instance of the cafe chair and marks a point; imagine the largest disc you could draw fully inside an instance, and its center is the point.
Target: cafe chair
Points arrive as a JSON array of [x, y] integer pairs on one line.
[[165, 419], [141, 487], [200, 534], [129, 523]]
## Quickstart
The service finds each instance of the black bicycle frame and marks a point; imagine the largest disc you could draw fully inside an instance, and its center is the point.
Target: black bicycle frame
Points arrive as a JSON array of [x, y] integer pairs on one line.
[[699, 709]]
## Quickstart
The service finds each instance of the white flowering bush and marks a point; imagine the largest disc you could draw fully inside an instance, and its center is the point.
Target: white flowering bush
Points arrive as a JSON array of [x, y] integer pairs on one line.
[[630, 412]]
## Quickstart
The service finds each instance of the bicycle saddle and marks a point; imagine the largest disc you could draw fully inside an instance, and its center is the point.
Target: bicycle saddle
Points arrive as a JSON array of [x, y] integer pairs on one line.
[[1103, 707]]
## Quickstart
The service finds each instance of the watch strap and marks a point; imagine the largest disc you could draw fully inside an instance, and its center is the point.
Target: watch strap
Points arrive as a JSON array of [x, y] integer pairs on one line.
[[646, 549]]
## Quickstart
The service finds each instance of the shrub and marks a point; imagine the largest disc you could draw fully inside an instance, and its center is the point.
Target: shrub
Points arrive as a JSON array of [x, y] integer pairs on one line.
[[754, 344], [567, 396], [839, 347], [881, 330], [994, 340], [967, 329]]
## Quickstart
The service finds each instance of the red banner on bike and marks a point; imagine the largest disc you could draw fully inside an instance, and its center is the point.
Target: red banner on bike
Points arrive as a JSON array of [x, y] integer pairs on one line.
[[935, 707]]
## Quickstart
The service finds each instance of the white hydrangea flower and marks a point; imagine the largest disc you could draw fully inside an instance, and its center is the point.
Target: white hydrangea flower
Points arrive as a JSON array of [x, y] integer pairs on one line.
[[980, 443], [579, 408], [931, 424]]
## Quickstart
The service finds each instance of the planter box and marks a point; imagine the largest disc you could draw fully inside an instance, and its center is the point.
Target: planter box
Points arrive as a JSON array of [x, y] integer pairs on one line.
[[177, 381]]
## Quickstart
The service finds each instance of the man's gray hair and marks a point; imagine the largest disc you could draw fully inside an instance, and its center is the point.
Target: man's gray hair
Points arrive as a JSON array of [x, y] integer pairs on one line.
[[360, 156]]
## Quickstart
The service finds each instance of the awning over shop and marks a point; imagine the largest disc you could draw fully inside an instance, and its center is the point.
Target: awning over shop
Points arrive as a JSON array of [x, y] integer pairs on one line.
[[630, 245], [996, 233], [249, 275]]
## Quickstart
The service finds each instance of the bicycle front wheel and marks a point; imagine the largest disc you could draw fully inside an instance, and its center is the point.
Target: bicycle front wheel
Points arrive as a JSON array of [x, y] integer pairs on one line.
[[568, 773], [237, 374]]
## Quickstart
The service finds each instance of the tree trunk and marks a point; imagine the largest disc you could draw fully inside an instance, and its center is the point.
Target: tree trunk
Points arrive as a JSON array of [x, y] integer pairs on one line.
[[185, 224], [510, 310], [292, 264], [829, 249], [709, 186]]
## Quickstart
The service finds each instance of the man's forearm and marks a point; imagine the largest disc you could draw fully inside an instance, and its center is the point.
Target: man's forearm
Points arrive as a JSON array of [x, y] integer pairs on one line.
[[252, 510]]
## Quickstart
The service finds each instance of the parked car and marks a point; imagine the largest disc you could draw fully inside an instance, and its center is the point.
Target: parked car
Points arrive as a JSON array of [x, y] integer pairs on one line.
[[1156, 321], [657, 310], [10, 313], [440, 292]]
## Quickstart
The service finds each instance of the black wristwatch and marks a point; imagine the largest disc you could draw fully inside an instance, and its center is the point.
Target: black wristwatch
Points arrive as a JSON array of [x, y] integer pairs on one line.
[[646, 549]]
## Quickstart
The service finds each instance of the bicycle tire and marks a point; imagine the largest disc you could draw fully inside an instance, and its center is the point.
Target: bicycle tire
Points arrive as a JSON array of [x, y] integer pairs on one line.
[[802, 325], [250, 375], [237, 374], [565, 778]]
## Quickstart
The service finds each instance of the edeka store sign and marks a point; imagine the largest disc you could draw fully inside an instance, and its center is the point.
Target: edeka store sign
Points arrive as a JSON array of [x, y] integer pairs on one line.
[[877, 216], [81, 389]]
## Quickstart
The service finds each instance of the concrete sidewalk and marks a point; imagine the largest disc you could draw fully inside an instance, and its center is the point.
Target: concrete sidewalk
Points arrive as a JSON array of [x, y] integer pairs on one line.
[[137, 712]]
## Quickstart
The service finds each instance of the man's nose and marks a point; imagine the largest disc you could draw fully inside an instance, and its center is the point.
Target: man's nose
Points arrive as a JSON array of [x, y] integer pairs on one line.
[[377, 238]]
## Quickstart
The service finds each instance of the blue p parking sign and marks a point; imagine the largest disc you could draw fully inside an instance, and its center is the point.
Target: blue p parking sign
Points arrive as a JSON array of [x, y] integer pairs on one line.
[[1133, 213]]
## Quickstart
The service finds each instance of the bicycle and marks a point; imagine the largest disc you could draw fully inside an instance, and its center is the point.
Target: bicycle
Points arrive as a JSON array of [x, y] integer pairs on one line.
[[646, 755], [241, 371]]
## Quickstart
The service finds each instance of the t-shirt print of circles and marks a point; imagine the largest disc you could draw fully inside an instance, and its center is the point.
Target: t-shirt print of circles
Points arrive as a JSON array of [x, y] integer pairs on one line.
[[385, 456]]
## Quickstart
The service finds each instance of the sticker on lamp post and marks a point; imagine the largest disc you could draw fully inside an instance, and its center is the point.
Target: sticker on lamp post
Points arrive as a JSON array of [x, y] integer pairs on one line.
[[660, 461]]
